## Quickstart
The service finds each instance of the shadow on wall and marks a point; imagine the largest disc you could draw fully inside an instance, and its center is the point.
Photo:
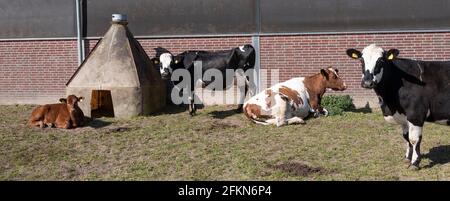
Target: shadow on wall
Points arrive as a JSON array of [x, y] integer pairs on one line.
[[438, 155]]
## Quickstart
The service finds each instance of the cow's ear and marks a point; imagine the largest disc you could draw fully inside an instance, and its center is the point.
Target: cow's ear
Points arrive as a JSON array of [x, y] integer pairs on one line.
[[63, 100], [392, 54], [354, 54], [80, 99], [324, 73]]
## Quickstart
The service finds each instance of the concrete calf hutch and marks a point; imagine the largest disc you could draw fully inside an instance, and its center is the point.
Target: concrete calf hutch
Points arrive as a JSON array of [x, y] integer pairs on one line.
[[118, 79]]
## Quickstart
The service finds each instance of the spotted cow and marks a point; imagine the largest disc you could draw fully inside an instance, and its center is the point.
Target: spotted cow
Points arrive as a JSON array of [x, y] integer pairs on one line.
[[290, 102], [410, 92], [239, 59]]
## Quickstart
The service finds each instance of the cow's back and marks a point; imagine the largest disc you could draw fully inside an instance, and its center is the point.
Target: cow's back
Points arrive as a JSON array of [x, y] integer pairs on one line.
[[297, 87], [47, 114], [423, 89], [289, 89], [437, 89]]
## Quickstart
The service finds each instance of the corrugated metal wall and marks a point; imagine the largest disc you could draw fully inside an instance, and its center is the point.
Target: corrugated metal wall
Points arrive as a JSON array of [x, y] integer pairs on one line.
[[56, 18], [37, 19]]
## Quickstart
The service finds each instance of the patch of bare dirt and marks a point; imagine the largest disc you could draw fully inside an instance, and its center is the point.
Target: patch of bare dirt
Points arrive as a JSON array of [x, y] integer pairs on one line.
[[228, 123], [118, 129], [298, 169]]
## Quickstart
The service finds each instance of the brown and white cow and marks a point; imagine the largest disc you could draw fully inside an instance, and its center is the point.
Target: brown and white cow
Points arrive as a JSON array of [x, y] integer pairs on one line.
[[66, 114], [292, 101]]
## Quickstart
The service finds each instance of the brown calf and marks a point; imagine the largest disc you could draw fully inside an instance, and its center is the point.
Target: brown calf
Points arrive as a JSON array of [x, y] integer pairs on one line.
[[317, 84], [61, 115]]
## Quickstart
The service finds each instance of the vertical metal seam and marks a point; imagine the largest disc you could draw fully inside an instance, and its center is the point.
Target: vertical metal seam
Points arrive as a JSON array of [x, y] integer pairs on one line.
[[256, 44], [79, 41]]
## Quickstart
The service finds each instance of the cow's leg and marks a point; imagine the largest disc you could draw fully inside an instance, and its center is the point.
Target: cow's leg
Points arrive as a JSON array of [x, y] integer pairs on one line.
[[192, 108], [242, 98], [296, 120], [409, 147], [62, 122], [282, 113], [39, 123], [65, 125], [241, 78], [33, 123], [415, 138], [324, 112]]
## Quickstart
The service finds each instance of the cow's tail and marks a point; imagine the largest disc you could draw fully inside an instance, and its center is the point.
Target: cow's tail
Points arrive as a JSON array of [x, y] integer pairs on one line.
[[260, 122], [253, 112]]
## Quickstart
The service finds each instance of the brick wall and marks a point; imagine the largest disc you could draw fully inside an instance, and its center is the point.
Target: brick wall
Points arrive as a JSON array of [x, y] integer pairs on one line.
[[36, 71]]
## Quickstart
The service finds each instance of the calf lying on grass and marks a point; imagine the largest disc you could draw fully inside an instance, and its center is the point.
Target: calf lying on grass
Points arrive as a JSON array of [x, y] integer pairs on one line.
[[61, 115], [291, 101]]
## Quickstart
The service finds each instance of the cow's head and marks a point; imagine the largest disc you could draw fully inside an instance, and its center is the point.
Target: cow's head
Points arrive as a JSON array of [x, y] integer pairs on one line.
[[246, 54], [165, 67], [332, 79], [72, 100], [373, 59]]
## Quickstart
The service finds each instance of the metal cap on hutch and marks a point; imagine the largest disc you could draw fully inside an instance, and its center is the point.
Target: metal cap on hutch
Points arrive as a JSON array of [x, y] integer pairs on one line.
[[119, 18]]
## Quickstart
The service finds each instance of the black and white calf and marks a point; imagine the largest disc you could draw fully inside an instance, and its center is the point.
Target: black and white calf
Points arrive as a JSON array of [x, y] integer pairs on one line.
[[410, 92], [239, 60]]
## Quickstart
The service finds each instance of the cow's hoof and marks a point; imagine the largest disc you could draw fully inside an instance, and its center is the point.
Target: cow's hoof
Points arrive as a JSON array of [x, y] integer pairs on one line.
[[407, 160], [414, 167]]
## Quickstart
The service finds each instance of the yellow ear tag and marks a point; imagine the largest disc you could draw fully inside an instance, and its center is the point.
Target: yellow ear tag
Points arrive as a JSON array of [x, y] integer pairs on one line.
[[354, 55], [156, 62], [391, 56], [176, 61]]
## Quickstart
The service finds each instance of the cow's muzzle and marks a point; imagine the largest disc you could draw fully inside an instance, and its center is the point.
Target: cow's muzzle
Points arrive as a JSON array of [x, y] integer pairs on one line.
[[165, 75], [367, 81], [368, 84]]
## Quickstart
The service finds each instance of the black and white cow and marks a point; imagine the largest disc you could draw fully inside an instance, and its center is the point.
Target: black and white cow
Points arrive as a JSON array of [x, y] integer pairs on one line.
[[410, 92], [242, 58]]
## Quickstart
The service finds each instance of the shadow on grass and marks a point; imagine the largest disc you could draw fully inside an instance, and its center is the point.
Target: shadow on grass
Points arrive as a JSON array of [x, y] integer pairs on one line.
[[365, 110], [223, 114], [438, 155], [172, 109], [96, 123], [175, 109]]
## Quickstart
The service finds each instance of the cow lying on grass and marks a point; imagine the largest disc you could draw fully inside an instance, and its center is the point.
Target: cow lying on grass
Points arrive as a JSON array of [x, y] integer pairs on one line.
[[291, 101], [66, 114]]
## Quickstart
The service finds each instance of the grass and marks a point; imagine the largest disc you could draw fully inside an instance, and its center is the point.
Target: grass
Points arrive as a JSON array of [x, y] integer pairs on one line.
[[217, 144]]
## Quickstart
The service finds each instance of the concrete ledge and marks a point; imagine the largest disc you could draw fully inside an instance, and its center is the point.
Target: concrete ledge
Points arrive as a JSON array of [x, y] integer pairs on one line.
[[208, 97], [30, 100]]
